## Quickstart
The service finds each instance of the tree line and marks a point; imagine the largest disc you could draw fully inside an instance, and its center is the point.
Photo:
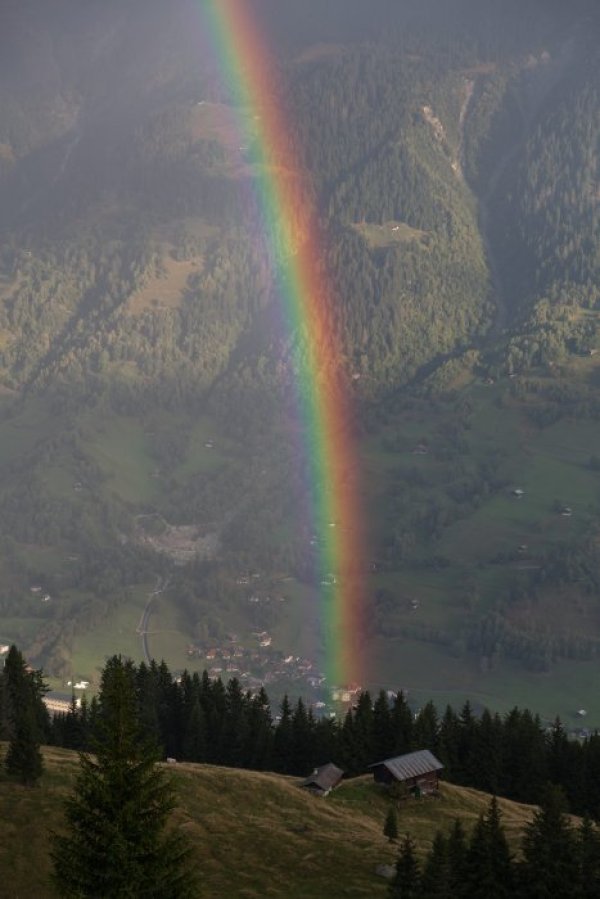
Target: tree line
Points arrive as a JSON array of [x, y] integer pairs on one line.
[[556, 859], [197, 719]]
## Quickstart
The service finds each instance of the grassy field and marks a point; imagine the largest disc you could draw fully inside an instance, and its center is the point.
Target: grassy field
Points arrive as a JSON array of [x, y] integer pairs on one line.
[[115, 635], [252, 834], [426, 671], [389, 234], [123, 451]]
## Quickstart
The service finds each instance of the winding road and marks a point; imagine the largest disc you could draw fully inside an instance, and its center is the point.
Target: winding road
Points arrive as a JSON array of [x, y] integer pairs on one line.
[[142, 628]]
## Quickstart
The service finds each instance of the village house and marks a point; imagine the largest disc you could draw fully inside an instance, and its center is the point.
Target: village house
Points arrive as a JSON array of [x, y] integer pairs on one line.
[[418, 771], [323, 780]]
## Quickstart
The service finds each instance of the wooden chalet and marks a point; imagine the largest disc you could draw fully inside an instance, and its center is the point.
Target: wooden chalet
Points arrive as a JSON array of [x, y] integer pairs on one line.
[[419, 771], [323, 779]]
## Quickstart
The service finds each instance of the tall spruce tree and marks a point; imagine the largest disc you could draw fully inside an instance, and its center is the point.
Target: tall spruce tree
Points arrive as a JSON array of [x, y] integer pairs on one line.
[[456, 849], [406, 882], [435, 880], [23, 714], [488, 867], [116, 845], [588, 852], [549, 867]]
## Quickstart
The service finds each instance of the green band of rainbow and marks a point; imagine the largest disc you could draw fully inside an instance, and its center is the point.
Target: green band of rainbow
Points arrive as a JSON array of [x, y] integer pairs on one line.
[[290, 224]]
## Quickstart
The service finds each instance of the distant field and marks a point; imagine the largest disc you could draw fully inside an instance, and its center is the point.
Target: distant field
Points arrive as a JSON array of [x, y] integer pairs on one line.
[[165, 291], [252, 834], [113, 636], [24, 428], [427, 672], [390, 233], [168, 634], [122, 451]]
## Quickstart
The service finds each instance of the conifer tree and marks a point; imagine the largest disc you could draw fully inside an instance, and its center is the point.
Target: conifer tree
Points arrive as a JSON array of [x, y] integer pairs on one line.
[[435, 880], [588, 852], [390, 827], [425, 732], [282, 740], [194, 742], [23, 715], [302, 732], [549, 867], [383, 735], [456, 849], [488, 864], [402, 725], [116, 845], [406, 882]]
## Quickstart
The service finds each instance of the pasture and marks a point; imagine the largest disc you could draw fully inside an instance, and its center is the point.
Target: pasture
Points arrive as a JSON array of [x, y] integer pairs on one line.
[[285, 842]]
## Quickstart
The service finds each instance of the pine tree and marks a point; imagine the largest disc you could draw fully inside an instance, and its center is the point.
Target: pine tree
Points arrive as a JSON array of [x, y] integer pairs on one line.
[[500, 859], [402, 725], [435, 881], [588, 852], [194, 742], [549, 867], [116, 845], [383, 735], [406, 882], [390, 827], [457, 853], [23, 714], [425, 732], [282, 740]]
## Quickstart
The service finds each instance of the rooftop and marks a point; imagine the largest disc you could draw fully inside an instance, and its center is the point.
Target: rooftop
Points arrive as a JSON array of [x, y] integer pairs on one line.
[[414, 764]]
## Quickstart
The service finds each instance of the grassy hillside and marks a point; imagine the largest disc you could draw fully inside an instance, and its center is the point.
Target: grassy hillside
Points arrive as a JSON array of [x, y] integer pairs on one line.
[[253, 834]]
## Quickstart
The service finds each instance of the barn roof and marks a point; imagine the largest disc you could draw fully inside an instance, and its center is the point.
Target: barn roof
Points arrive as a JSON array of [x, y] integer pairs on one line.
[[325, 777], [414, 764]]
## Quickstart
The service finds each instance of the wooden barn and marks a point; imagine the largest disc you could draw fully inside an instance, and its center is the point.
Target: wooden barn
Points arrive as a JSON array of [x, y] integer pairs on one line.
[[418, 771], [323, 779]]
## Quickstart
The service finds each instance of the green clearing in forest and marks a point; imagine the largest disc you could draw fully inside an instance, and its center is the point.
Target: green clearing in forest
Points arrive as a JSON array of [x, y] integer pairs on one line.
[[390, 234], [122, 450], [113, 635]]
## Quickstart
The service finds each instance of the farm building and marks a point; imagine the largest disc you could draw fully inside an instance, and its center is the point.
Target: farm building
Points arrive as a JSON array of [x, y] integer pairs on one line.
[[419, 771], [323, 779]]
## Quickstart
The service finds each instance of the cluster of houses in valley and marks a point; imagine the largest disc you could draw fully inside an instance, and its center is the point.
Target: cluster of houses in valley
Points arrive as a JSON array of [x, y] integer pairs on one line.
[[413, 774], [262, 666], [256, 666]]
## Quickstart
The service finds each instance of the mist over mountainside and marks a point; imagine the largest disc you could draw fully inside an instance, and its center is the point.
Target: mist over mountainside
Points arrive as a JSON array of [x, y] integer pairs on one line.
[[148, 448]]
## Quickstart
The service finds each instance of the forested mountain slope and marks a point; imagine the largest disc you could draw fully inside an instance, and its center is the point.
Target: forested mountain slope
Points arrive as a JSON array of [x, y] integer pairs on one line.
[[451, 150]]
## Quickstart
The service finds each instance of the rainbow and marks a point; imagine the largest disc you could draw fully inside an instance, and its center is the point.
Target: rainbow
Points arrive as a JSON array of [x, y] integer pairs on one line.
[[289, 221]]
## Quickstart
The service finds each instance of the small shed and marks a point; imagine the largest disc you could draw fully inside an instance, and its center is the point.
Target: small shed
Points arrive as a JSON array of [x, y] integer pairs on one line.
[[323, 779], [419, 771]]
